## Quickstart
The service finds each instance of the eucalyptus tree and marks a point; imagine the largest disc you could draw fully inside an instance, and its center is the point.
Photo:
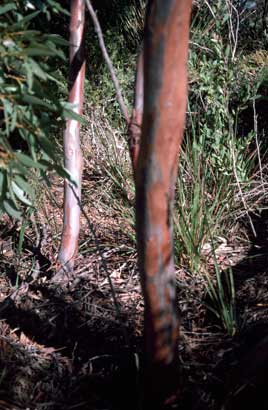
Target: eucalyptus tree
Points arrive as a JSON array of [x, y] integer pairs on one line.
[[73, 160], [165, 93]]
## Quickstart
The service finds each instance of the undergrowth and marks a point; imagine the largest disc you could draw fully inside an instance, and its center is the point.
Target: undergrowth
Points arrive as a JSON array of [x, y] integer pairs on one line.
[[218, 158]]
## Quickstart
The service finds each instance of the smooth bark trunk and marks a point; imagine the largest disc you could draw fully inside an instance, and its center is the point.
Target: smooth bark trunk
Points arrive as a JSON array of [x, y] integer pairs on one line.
[[165, 93], [72, 152]]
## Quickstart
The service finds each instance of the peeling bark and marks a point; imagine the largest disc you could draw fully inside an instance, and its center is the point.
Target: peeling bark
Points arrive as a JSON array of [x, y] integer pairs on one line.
[[72, 152], [165, 93]]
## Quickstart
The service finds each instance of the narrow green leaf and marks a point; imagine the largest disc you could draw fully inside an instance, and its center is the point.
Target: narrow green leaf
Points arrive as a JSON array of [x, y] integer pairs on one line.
[[64, 173], [47, 147], [29, 75], [2, 184], [56, 6], [22, 235], [36, 52], [20, 194], [70, 114], [31, 99], [11, 209], [28, 162], [56, 39], [37, 70], [20, 181], [24, 20]]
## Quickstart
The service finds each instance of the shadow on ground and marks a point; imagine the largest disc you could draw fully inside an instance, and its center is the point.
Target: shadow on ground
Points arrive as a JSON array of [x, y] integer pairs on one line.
[[65, 348], [102, 368]]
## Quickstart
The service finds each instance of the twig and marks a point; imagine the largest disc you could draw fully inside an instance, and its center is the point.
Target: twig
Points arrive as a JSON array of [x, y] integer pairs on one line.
[[210, 9], [257, 142], [241, 192], [264, 24], [134, 129], [109, 63], [233, 31]]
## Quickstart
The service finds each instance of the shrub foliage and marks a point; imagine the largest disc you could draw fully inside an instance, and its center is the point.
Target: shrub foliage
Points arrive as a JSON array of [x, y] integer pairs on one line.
[[30, 108]]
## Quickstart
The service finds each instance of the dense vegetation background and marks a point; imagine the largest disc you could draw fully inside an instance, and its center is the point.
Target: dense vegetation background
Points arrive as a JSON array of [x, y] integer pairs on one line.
[[220, 207]]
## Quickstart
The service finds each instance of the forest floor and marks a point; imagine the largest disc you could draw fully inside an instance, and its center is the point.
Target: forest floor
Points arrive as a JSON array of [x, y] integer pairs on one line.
[[72, 346]]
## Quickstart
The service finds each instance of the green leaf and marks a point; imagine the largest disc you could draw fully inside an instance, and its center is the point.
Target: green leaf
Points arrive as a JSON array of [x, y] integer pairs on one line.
[[37, 70], [47, 147], [56, 6], [24, 20], [29, 74], [7, 7], [31, 99], [20, 181], [28, 162], [72, 115], [64, 173], [11, 209], [38, 50], [56, 39], [3, 184], [20, 194], [22, 235]]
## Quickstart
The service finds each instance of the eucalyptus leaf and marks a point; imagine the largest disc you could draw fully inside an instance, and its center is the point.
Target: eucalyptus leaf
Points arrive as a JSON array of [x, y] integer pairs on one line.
[[70, 114], [31, 99], [2, 183], [7, 7], [11, 209], [24, 20], [24, 185], [47, 147], [20, 194], [28, 162]]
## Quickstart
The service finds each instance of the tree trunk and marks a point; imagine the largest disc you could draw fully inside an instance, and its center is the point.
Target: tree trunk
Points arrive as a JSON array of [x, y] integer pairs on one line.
[[72, 152], [165, 93]]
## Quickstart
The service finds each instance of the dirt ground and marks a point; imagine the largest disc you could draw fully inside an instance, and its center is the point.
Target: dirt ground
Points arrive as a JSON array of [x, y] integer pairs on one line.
[[74, 345]]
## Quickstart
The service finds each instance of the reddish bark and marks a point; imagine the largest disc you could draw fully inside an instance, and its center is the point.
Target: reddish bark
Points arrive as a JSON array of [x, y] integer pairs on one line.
[[72, 151], [165, 93]]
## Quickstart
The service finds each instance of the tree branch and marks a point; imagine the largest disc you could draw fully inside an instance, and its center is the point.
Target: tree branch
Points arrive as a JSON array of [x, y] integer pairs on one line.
[[134, 129], [108, 61]]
